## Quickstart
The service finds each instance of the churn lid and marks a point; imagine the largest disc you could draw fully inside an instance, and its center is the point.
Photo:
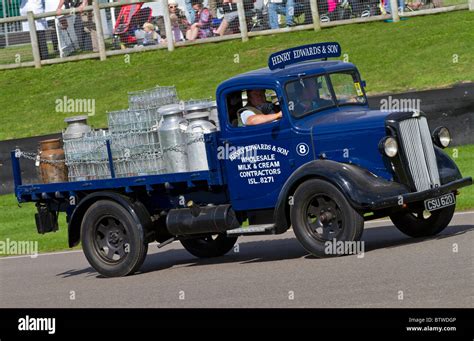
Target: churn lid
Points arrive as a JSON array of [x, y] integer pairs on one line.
[[170, 109]]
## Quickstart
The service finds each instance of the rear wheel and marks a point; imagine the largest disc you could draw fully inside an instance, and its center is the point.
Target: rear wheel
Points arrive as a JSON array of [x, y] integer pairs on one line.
[[113, 242], [210, 246], [423, 223], [321, 213]]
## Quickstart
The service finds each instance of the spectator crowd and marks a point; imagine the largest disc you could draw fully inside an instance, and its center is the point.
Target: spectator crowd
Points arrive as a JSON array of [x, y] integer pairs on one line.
[[191, 19]]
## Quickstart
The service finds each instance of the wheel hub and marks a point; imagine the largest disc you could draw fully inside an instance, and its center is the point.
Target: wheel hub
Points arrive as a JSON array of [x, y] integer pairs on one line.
[[323, 218], [115, 237], [326, 217], [111, 239]]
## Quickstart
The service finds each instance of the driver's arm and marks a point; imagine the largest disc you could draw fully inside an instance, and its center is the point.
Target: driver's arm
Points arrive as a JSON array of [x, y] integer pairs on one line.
[[260, 119]]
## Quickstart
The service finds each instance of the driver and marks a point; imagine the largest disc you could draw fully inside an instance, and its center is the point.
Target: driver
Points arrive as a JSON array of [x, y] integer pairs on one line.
[[258, 110]]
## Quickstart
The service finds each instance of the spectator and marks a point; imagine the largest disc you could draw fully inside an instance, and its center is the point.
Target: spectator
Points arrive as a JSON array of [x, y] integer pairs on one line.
[[151, 37], [212, 6], [50, 6], [283, 7], [179, 22], [202, 23], [230, 14], [191, 12], [84, 25], [36, 6], [388, 6]]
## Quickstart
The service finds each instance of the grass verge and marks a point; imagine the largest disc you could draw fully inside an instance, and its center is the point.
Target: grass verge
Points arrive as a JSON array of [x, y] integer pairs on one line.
[[417, 53]]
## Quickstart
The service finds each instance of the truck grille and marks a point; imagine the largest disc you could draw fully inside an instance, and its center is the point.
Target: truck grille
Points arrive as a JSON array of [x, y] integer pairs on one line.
[[419, 152]]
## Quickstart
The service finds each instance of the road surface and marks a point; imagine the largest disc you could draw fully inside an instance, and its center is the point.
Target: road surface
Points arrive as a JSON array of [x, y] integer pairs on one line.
[[267, 271]]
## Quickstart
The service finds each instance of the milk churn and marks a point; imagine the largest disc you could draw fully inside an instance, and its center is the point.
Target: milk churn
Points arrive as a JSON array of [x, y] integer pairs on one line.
[[213, 117], [171, 132], [198, 125], [202, 106], [52, 164], [77, 127]]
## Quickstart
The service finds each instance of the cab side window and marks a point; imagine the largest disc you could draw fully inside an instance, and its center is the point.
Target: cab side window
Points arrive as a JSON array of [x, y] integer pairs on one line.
[[247, 102]]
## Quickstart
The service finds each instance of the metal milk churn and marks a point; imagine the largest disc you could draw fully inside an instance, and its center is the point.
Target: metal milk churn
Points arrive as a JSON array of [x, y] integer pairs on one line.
[[52, 166], [198, 125], [76, 127], [171, 132], [213, 116]]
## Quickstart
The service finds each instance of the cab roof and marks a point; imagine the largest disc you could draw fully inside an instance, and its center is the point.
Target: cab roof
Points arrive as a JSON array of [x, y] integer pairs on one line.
[[265, 75]]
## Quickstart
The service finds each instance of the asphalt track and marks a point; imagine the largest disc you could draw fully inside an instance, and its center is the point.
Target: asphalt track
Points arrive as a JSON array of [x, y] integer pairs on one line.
[[267, 271]]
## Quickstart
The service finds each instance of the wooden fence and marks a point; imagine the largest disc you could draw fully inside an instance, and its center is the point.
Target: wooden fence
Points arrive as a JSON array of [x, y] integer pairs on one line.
[[244, 34]]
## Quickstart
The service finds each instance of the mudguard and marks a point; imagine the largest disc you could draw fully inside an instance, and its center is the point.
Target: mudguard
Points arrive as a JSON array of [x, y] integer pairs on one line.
[[359, 186], [136, 210], [448, 171], [364, 190]]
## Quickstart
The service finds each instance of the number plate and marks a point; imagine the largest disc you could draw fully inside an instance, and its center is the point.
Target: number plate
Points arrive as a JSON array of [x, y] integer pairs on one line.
[[440, 202]]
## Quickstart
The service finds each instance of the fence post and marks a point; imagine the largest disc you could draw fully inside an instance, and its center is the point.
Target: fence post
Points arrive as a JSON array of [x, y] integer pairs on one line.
[[242, 21], [99, 30], [315, 14], [168, 30], [471, 5], [34, 39], [5, 25], [394, 9]]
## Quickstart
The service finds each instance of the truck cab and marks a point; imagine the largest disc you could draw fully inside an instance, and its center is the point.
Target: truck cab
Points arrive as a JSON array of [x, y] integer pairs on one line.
[[330, 162], [298, 146], [262, 157]]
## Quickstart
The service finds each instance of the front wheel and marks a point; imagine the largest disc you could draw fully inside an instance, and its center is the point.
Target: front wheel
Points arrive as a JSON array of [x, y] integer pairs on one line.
[[423, 223], [210, 246], [320, 214], [113, 242]]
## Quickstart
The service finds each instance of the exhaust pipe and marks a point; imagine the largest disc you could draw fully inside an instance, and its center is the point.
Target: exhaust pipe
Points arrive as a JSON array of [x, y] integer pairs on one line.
[[197, 220]]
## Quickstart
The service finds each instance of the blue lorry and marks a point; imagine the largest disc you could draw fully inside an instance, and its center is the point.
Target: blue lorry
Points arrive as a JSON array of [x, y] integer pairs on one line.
[[328, 164]]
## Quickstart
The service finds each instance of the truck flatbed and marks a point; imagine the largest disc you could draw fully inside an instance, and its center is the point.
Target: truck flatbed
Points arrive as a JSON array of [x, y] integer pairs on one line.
[[37, 192]]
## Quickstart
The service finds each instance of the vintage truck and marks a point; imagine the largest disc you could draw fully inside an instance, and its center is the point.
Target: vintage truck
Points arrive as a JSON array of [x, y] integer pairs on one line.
[[326, 166]]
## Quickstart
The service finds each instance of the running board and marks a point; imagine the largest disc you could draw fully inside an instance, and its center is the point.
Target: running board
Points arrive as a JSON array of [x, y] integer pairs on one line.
[[252, 230]]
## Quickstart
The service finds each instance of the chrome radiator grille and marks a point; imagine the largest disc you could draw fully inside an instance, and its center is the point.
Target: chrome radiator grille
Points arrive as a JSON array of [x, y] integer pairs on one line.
[[419, 152]]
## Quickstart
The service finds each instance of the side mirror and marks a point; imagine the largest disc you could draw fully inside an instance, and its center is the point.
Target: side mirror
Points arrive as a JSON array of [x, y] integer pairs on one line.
[[363, 84]]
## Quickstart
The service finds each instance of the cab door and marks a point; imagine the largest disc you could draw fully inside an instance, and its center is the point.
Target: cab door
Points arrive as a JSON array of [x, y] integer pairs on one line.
[[259, 159]]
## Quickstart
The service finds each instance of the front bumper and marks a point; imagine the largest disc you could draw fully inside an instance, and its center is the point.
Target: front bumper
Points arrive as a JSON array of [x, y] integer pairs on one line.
[[407, 198]]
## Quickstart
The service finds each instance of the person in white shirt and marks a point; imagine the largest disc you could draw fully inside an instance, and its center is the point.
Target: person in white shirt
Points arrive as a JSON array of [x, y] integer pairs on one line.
[[258, 110], [37, 7]]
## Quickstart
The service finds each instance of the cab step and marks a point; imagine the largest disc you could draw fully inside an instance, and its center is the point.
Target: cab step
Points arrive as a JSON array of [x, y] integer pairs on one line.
[[252, 230]]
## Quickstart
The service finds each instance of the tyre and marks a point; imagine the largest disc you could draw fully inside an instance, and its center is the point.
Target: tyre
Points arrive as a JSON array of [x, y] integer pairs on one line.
[[423, 223], [113, 242], [210, 246], [321, 213]]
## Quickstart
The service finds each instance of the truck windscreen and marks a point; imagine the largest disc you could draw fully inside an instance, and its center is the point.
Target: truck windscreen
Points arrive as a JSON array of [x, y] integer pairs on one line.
[[310, 94], [347, 88]]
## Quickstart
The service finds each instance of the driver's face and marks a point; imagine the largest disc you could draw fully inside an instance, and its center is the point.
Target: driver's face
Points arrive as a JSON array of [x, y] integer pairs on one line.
[[256, 97]]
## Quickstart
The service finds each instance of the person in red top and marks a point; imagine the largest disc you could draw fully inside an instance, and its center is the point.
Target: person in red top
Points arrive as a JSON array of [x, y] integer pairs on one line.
[[202, 24]]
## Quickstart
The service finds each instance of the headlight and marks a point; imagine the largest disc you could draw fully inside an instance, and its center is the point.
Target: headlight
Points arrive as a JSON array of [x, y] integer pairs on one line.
[[441, 137], [389, 146]]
